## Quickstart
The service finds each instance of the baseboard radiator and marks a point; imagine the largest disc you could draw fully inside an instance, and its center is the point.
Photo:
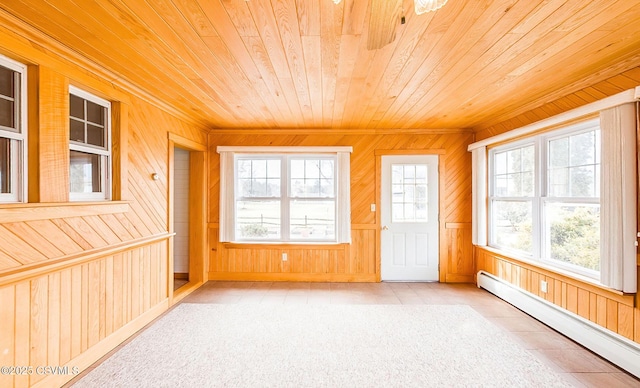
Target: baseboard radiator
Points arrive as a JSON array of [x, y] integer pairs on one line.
[[611, 346]]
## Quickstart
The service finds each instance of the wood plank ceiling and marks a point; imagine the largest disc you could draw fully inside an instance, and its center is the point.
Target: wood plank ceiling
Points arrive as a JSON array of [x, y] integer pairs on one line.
[[305, 64]]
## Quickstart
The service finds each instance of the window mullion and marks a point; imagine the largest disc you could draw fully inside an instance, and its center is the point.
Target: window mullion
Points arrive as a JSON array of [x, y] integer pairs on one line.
[[285, 212], [540, 192]]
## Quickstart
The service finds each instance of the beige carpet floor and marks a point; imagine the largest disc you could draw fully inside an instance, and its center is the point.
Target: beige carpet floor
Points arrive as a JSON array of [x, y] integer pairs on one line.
[[209, 345]]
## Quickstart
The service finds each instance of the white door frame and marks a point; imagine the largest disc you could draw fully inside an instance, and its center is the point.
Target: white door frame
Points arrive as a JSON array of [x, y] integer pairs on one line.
[[442, 246]]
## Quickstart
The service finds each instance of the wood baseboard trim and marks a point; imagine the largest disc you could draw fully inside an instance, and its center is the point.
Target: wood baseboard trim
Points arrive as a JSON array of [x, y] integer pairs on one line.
[[184, 291], [454, 278], [95, 353], [293, 277]]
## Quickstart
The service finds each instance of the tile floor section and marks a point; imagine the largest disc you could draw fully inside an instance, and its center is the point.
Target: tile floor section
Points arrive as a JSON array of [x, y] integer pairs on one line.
[[580, 366]]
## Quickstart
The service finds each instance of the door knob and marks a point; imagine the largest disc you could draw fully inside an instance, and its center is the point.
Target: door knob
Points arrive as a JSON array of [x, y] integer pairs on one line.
[[385, 227]]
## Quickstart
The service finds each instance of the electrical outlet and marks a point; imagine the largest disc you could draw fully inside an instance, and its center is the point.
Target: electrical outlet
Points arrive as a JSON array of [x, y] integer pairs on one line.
[[543, 286], [284, 257]]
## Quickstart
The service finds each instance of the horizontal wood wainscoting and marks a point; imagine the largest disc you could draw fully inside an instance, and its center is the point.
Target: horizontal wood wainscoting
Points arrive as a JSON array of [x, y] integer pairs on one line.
[[614, 311], [360, 260]]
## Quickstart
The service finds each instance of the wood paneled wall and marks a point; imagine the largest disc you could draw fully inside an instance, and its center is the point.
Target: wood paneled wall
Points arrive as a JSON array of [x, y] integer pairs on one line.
[[358, 261], [69, 316], [614, 311], [76, 279], [620, 314]]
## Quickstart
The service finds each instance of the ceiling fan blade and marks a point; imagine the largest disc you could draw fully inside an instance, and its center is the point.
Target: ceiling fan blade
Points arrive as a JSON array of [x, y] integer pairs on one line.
[[383, 20]]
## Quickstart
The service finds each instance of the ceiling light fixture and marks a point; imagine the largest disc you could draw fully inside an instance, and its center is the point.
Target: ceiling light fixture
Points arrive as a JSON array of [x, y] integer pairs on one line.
[[421, 6]]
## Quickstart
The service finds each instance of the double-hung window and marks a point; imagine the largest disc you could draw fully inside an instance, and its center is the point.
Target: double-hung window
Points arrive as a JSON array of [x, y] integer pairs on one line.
[[12, 131], [571, 206], [89, 146], [284, 197], [513, 199], [544, 198]]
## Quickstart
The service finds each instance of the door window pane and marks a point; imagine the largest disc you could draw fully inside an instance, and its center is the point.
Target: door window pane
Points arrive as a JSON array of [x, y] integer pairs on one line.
[[409, 193]]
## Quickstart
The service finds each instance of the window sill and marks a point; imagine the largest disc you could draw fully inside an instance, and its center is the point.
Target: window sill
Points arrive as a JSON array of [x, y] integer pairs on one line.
[[22, 212], [562, 275], [282, 245]]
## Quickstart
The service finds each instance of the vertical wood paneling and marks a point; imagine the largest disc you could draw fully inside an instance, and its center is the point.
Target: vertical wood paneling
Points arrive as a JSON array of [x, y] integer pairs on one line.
[[84, 302], [54, 318], [54, 313], [39, 325], [625, 320], [618, 313], [23, 339], [7, 332], [53, 136], [66, 315]]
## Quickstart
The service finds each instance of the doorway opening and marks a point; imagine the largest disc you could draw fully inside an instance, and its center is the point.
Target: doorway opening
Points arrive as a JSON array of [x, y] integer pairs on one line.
[[187, 217], [181, 172]]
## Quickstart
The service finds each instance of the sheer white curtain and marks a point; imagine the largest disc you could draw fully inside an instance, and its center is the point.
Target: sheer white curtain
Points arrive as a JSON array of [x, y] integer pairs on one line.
[[227, 196], [344, 198], [479, 196], [618, 198]]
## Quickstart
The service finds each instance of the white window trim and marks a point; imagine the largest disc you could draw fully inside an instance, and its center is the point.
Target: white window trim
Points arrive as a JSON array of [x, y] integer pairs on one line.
[[105, 153], [19, 154], [342, 197], [541, 196], [618, 253]]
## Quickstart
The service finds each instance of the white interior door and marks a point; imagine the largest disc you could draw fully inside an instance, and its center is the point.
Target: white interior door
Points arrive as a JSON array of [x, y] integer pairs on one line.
[[409, 215]]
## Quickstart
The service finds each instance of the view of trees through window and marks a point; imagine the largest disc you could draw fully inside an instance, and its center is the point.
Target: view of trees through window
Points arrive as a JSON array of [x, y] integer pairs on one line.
[[283, 198], [568, 204]]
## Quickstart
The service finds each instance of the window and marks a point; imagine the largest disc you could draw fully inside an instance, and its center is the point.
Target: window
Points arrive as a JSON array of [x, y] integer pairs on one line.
[[12, 131], [544, 198], [409, 187], [284, 197], [572, 205], [89, 146], [513, 198]]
